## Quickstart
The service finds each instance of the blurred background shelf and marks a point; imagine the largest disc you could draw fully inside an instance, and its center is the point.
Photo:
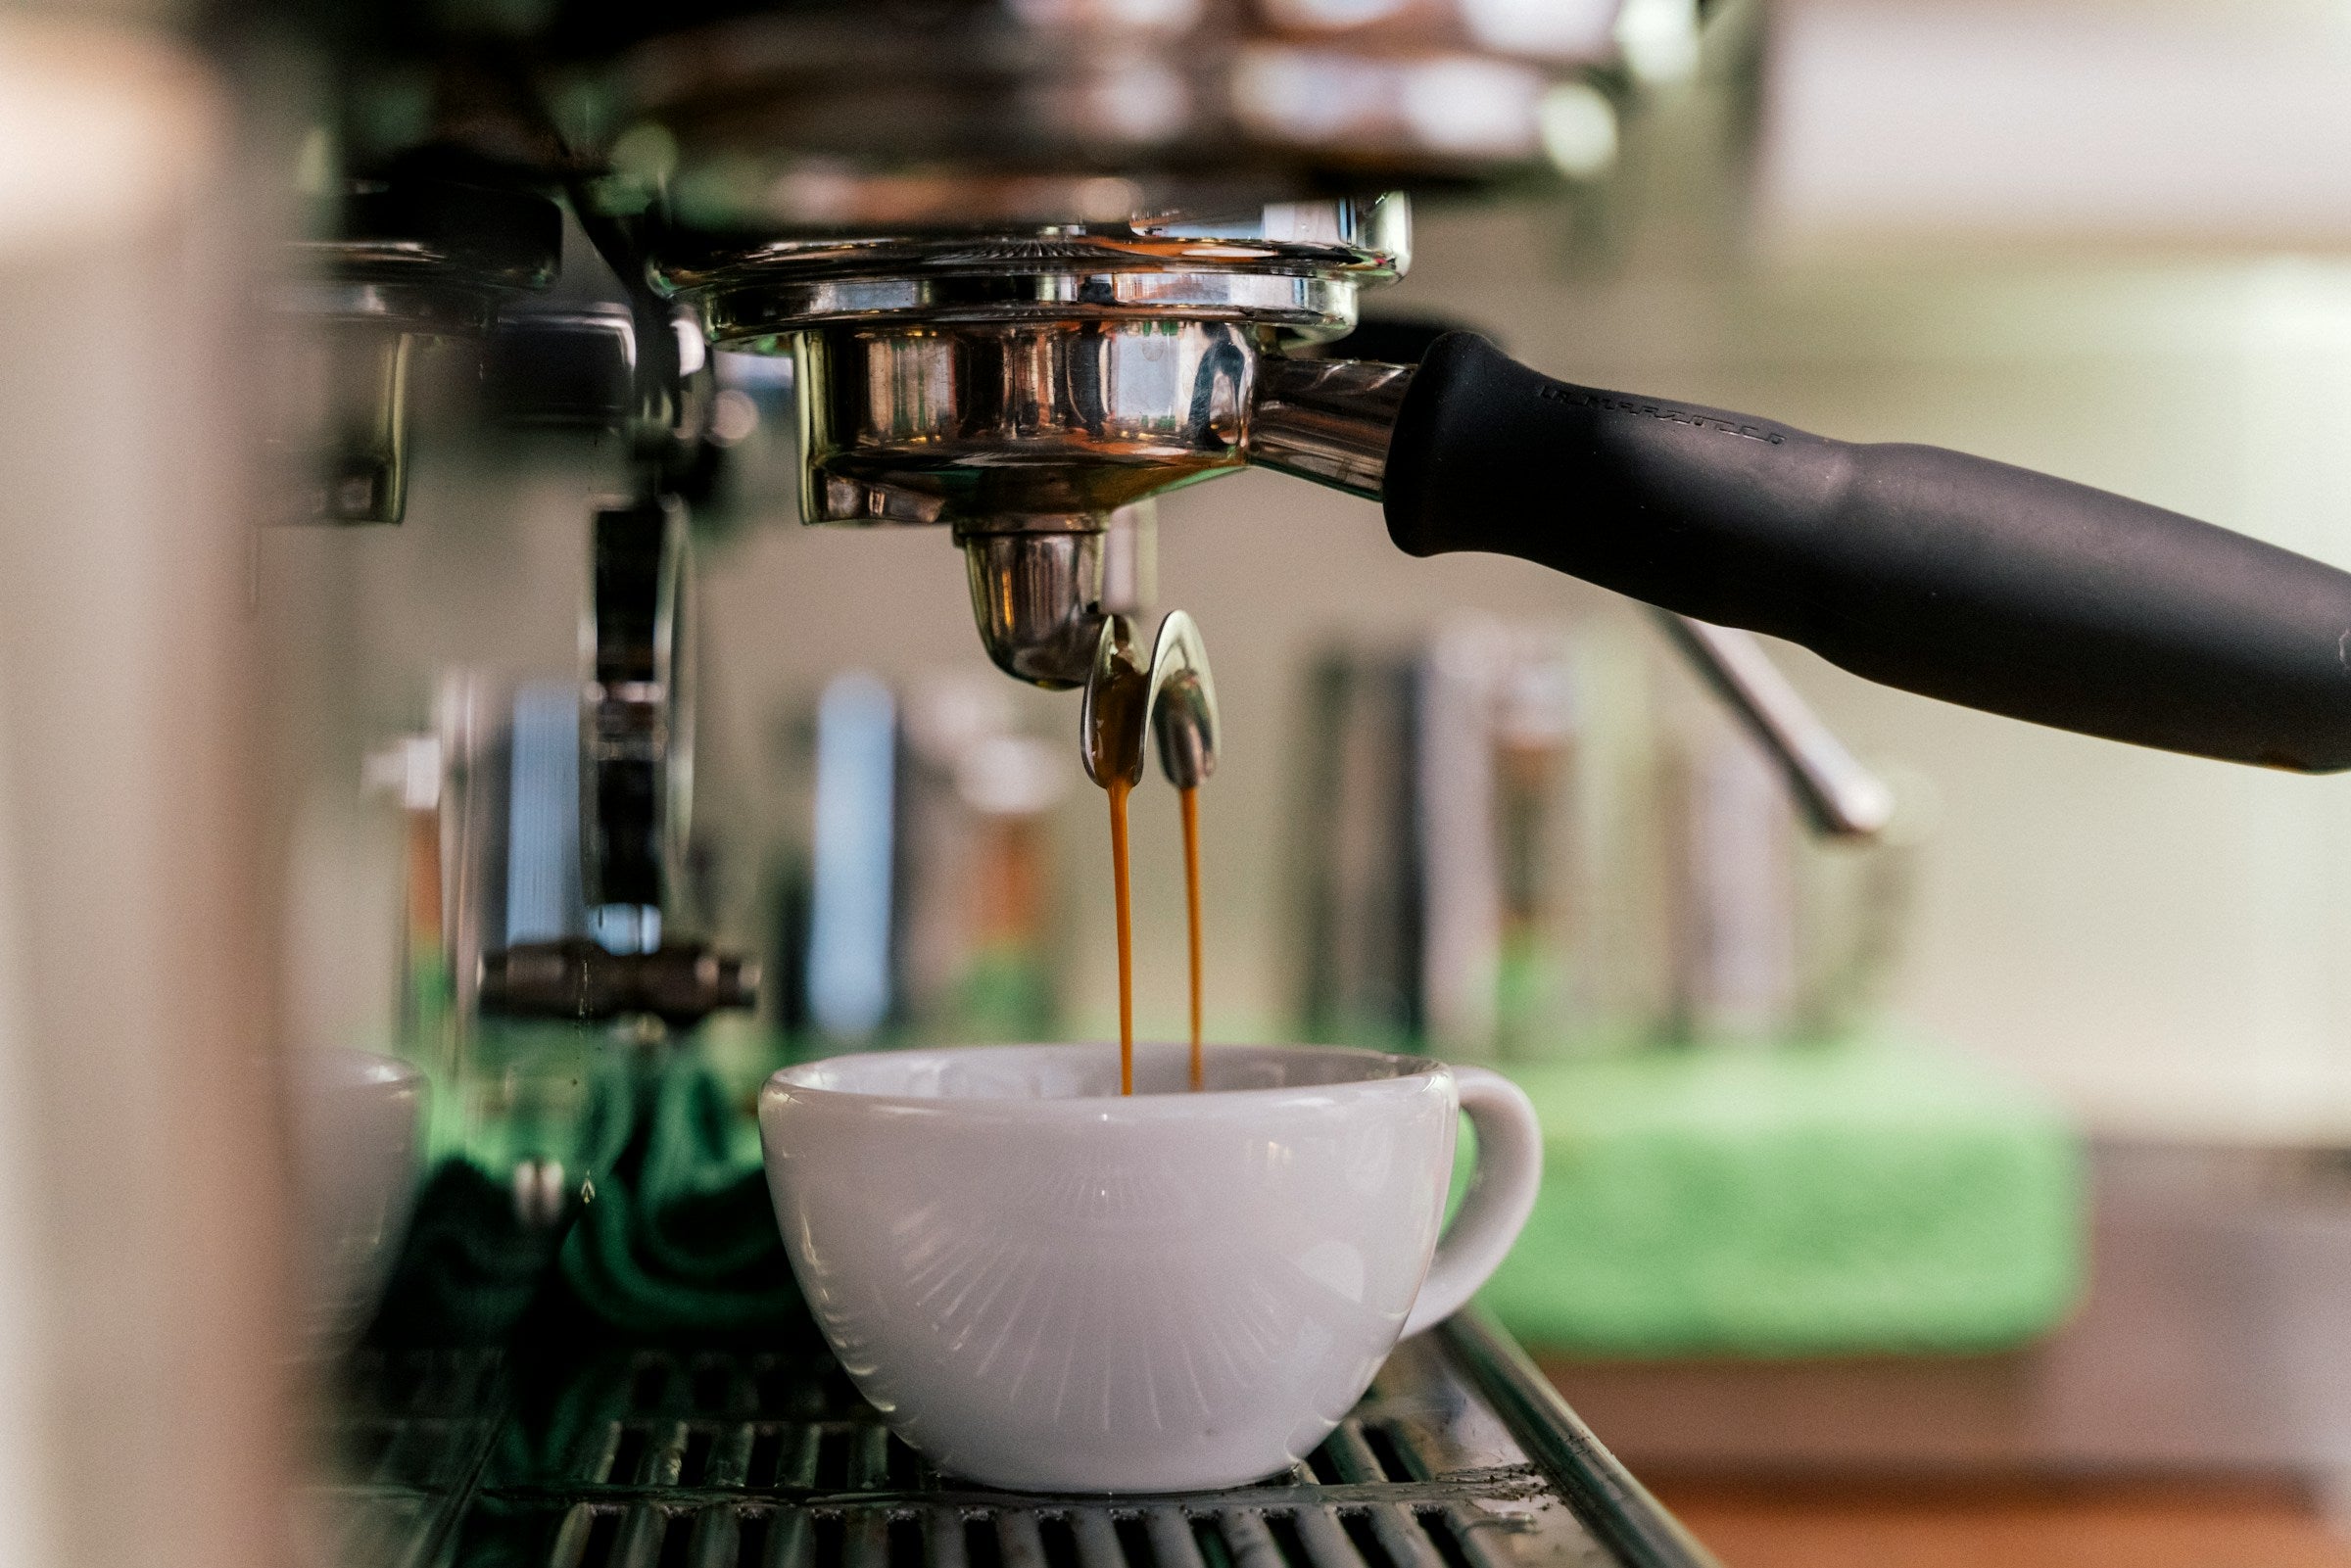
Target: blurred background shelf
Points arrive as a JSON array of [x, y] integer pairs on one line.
[[2172, 1522], [2207, 1344]]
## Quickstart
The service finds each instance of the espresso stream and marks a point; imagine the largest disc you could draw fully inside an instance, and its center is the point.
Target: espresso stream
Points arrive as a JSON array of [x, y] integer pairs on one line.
[[1191, 913], [1123, 896], [1118, 712]]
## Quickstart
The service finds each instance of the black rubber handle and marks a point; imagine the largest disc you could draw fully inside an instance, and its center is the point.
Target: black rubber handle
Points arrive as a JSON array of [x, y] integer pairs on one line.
[[1941, 574]]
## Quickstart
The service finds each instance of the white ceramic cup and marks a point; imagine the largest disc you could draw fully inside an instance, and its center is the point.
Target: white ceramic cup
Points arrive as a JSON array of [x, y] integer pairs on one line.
[[1044, 1285], [355, 1126]]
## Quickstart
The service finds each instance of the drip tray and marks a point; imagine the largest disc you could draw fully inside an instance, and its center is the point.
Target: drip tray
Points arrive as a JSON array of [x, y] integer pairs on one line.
[[1460, 1456]]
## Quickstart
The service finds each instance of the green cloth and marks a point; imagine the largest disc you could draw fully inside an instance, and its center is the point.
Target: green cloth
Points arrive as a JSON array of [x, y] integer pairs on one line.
[[668, 1229], [468, 1269], [676, 1233], [1797, 1201]]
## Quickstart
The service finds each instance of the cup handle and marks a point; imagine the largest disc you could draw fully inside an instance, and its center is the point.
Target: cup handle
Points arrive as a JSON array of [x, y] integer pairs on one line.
[[1501, 1195]]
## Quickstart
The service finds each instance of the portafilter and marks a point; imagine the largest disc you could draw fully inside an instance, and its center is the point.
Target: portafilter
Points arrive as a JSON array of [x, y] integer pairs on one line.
[[1018, 387]]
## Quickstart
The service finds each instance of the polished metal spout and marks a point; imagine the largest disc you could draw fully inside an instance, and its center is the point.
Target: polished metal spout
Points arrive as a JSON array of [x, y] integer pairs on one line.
[[1042, 585], [1328, 420], [1037, 594], [1042, 582]]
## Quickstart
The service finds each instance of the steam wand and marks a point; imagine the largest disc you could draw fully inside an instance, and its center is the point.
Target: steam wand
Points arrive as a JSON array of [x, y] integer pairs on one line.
[[1839, 798]]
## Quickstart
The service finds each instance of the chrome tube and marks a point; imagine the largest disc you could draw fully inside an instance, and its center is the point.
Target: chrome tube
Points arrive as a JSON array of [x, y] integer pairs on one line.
[[1840, 797], [1328, 420]]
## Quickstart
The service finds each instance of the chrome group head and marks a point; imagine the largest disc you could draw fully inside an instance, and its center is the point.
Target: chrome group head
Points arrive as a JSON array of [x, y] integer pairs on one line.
[[1019, 388]]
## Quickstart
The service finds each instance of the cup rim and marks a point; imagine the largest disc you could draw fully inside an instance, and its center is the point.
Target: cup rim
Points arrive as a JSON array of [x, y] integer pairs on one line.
[[1409, 1070], [350, 1067]]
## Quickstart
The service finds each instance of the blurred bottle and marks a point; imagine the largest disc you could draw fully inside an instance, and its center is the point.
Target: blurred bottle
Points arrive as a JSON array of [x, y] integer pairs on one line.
[[1445, 815], [1512, 845], [977, 801], [1729, 866], [1497, 760], [928, 901], [1772, 934]]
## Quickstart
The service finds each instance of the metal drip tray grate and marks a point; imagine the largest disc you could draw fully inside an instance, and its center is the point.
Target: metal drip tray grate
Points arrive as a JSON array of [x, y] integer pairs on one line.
[[407, 1444], [1030, 1536], [657, 1459]]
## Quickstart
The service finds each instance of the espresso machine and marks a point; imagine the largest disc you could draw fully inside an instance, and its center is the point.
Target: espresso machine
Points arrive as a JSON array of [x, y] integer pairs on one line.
[[518, 277]]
